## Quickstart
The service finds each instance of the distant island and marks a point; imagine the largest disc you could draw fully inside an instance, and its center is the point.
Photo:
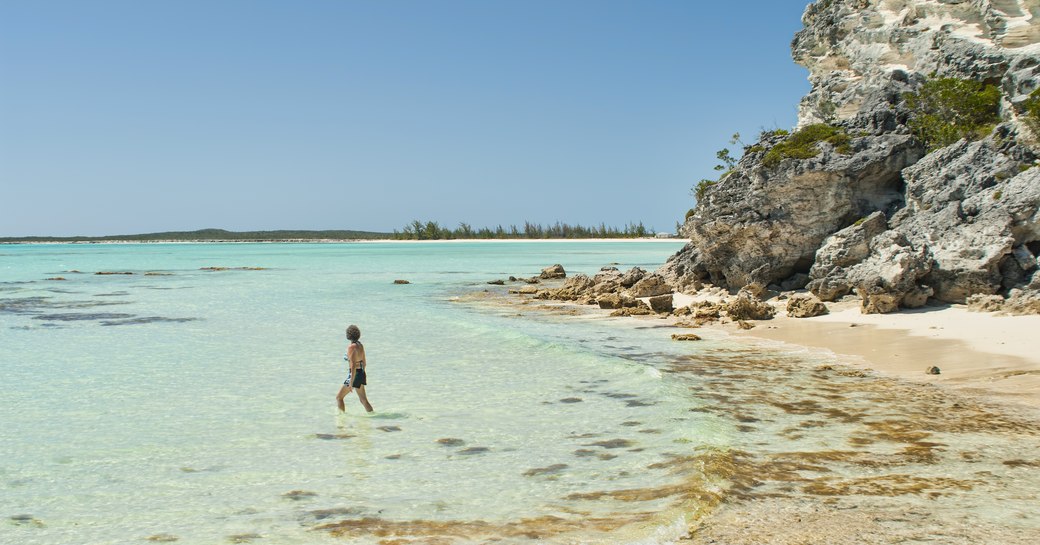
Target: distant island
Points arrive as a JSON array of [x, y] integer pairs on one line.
[[417, 230], [215, 235]]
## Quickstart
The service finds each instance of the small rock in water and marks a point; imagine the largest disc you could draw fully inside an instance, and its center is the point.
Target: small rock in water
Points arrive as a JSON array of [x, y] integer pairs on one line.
[[473, 450], [389, 428], [451, 442], [399, 281], [162, 538], [933, 370], [745, 325], [297, 495], [685, 337], [550, 470], [243, 538], [497, 282], [27, 520], [571, 400], [56, 278]]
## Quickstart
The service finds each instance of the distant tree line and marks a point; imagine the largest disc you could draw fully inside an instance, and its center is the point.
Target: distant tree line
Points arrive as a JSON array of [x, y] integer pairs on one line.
[[431, 230]]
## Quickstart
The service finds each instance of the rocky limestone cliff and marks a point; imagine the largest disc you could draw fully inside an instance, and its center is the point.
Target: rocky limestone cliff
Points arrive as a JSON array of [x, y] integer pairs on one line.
[[879, 214]]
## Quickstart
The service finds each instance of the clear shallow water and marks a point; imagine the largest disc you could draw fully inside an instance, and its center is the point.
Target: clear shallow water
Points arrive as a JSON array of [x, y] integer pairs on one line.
[[198, 405]]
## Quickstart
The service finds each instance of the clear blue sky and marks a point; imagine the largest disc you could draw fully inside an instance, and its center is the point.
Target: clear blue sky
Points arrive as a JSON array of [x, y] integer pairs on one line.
[[121, 117]]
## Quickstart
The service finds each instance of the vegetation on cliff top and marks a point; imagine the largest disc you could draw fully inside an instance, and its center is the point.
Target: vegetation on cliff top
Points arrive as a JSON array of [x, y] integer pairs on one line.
[[945, 110], [431, 230], [727, 163], [802, 144]]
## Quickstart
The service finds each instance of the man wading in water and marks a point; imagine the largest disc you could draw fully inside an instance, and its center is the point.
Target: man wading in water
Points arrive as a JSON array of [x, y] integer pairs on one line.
[[356, 379]]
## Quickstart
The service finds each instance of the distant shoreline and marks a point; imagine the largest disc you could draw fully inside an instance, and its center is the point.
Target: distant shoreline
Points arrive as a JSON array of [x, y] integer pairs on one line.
[[341, 241]]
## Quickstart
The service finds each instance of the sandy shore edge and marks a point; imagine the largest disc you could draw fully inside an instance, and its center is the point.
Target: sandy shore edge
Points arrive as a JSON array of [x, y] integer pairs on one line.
[[984, 354], [992, 358]]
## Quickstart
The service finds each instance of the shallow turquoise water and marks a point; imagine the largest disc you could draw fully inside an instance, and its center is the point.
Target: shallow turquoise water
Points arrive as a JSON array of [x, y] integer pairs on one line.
[[191, 404], [199, 405]]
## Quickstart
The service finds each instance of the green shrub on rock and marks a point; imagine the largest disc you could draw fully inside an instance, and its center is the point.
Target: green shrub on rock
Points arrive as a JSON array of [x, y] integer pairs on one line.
[[803, 143], [1032, 112], [727, 163], [945, 110], [703, 186]]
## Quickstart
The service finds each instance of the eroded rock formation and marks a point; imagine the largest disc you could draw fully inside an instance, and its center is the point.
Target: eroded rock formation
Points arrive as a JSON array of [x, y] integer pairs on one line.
[[879, 213]]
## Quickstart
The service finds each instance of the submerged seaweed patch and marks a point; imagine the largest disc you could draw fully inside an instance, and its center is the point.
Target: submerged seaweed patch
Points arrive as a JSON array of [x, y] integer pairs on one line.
[[450, 531], [887, 485], [38, 304], [162, 538], [243, 538], [319, 515], [612, 443], [78, 316], [553, 469], [147, 320], [333, 436], [26, 520]]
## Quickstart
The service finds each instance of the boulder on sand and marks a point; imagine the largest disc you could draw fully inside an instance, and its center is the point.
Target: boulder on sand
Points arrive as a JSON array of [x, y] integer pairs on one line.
[[649, 286], [745, 307], [553, 272], [661, 304], [805, 305]]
